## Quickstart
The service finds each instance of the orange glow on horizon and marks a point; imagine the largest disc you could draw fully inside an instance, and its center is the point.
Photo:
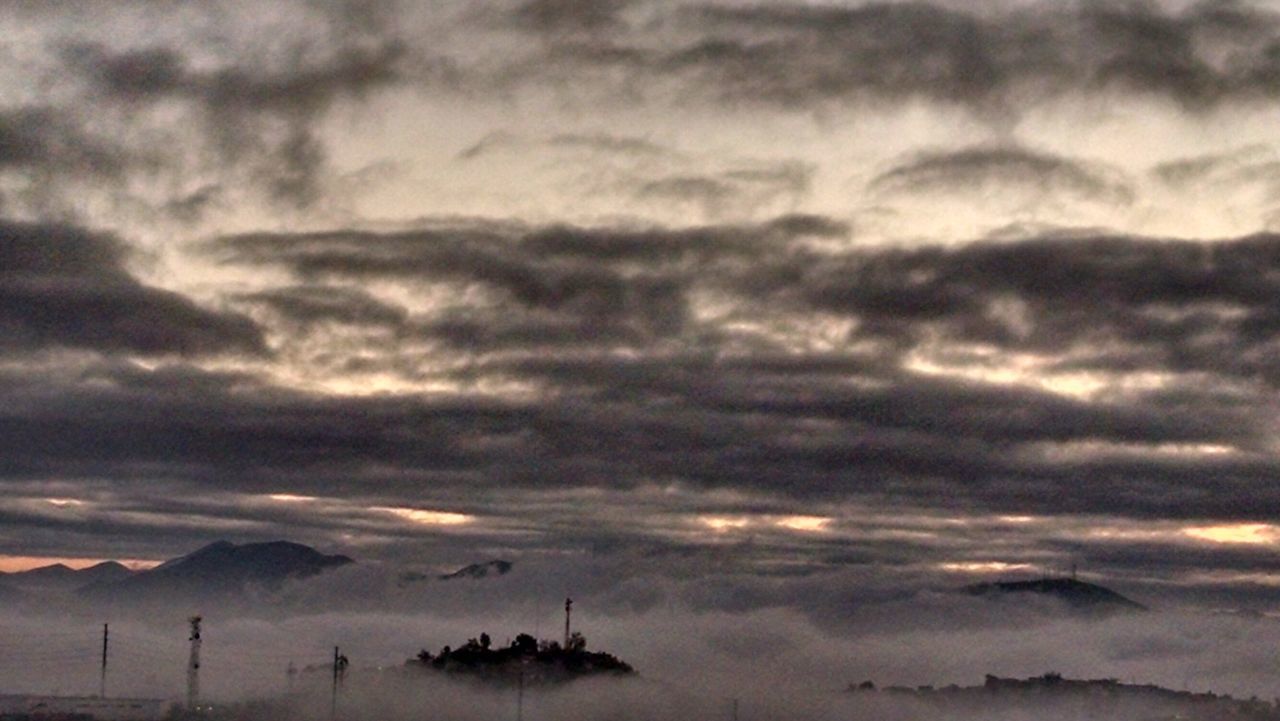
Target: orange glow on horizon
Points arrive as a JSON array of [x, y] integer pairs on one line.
[[17, 564]]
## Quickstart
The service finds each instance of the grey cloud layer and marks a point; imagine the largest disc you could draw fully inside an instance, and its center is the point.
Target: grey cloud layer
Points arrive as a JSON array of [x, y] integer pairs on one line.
[[253, 108], [62, 286], [630, 381], [793, 54], [760, 367]]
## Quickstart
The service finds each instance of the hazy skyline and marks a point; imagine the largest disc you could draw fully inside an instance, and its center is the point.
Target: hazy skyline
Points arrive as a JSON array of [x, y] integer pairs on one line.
[[907, 293]]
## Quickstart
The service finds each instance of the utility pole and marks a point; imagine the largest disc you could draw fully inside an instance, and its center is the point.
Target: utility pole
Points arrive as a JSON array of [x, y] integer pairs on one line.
[[568, 606], [193, 666], [102, 684], [735, 709]]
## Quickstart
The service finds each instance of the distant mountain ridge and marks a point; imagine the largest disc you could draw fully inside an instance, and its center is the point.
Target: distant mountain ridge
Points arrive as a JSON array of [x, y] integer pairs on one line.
[[1055, 697], [60, 577], [495, 567], [1079, 595], [222, 568]]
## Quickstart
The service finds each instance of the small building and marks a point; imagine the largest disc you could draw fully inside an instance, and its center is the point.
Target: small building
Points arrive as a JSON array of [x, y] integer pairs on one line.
[[101, 709]]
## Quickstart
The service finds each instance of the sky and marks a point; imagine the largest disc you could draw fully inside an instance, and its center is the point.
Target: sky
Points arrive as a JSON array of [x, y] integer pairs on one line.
[[904, 295]]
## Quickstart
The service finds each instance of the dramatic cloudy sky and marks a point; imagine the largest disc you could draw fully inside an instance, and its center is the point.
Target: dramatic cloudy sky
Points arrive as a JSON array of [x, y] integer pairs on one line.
[[919, 291]]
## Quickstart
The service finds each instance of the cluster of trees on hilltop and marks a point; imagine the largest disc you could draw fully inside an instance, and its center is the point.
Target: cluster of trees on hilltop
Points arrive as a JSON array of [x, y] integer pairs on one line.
[[525, 658]]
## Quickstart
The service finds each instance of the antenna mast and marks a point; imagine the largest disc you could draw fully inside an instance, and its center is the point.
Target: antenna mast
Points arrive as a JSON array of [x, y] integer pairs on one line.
[[102, 685], [568, 606], [193, 666]]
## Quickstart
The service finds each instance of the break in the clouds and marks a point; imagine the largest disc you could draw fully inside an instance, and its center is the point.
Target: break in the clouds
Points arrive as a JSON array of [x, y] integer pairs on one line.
[[789, 289]]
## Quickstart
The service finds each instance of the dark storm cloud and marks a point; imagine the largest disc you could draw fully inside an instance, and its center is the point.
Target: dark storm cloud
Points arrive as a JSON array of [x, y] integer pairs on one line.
[[36, 138], [991, 169], [731, 192], [150, 427], [769, 418], [797, 55], [249, 108], [307, 305], [627, 281], [148, 75], [1171, 305], [570, 15], [1156, 558], [63, 286], [783, 426]]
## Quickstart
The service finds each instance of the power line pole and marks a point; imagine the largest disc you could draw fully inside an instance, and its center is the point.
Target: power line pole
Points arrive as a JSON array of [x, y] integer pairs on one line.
[[193, 666], [102, 683]]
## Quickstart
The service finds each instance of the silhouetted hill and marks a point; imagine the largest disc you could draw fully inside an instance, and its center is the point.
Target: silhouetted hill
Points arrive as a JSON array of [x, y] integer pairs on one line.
[[1077, 594], [9, 594], [480, 570], [1053, 696], [222, 568], [60, 577], [525, 660]]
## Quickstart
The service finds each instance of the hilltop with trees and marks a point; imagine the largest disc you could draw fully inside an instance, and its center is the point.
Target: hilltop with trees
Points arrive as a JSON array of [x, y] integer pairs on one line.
[[525, 660]]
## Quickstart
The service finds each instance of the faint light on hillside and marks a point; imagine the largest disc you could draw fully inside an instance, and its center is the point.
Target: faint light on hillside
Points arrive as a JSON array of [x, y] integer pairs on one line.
[[64, 502]]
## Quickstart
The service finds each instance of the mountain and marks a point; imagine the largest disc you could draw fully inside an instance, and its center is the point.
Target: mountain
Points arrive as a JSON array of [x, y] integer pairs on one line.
[[222, 569], [480, 570], [1078, 595], [1055, 697], [59, 577], [9, 594]]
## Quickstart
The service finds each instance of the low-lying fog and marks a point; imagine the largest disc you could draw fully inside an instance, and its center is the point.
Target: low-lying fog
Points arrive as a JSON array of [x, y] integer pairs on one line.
[[779, 658]]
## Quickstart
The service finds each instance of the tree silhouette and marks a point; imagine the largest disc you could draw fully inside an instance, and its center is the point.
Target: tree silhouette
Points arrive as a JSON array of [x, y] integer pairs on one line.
[[546, 661]]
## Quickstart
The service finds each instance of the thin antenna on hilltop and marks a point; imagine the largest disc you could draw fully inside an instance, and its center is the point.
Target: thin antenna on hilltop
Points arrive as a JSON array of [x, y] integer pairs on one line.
[[193, 665], [340, 664], [568, 606], [102, 683], [333, 698]]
